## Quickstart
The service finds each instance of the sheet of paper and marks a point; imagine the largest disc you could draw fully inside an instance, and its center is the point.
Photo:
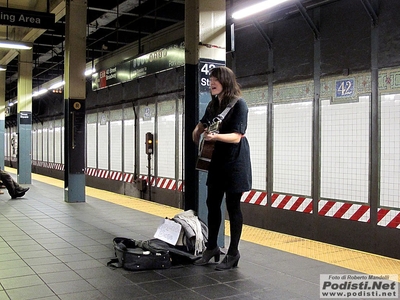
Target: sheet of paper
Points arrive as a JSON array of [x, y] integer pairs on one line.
[[168, 231]]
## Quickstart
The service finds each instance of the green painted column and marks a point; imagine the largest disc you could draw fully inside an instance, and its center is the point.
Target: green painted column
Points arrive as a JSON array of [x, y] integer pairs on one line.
[[74, 100], [24, 117]]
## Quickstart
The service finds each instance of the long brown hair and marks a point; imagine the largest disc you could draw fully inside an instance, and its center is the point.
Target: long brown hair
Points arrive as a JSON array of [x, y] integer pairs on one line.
[[230, 88]]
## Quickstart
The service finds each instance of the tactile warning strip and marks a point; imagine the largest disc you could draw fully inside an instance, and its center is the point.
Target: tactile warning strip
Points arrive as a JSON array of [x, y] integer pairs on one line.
[[362, 262], [343, 257]]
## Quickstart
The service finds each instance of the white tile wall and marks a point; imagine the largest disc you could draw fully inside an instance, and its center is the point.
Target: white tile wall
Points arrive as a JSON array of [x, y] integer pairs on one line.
[[116, 145], [34, 143], [292, 143], [390, 151], [59, 143], [91, 145], [166, 145], [181, 154], [257, 137], [39, 145], [45, 141], [51, 142], [146, 123], [102, 146], [129, 146], [345, 150]]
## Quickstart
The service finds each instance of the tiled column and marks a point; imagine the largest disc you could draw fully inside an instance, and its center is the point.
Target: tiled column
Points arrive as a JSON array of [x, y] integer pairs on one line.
[[2, 115], [24, 116], [205, 27], [74, 99]]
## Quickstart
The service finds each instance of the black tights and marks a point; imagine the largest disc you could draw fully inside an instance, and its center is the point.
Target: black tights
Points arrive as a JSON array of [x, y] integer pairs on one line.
[[214, 201]]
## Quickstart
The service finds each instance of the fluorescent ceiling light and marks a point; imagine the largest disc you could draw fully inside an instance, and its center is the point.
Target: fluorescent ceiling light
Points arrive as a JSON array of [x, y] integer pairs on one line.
[[37, 93], [90, 72], [15, 45], [3, 68], [57, 85], [256, 8]]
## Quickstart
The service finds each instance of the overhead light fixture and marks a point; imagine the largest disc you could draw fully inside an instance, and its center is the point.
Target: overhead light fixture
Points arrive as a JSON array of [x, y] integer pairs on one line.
[[3, 68], [256, 8], [57, 85], [90, 72], [15, 45], [40, 92]]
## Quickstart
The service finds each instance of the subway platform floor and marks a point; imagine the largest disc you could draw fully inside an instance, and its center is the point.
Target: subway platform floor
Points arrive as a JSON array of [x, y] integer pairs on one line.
[[50, 249]]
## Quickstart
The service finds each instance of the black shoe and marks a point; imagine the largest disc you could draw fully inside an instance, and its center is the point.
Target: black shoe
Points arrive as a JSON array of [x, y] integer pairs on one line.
[[20, 192], [207, 255], [229, 262]]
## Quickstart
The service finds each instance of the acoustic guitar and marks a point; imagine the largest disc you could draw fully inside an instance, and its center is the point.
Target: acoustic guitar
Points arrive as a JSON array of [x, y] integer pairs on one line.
[[206, 148]]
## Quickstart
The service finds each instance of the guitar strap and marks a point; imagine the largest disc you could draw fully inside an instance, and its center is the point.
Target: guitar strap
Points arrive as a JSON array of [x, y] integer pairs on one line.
[[222, 115], [214, 126]]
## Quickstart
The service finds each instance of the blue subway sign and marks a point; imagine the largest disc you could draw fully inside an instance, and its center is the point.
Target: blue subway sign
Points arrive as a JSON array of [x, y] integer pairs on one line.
[[345, 88]]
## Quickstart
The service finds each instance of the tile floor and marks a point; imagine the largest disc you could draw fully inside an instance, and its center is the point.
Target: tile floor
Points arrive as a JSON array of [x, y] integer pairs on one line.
[[50, 249]]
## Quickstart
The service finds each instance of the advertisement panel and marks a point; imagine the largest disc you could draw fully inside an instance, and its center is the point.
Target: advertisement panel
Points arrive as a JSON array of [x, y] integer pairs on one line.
[[168, 57]]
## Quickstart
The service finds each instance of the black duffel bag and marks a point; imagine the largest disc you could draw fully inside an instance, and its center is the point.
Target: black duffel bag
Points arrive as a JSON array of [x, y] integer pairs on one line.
[[138, 255]]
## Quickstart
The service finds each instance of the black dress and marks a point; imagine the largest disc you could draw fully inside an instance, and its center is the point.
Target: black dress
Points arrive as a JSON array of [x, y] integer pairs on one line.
[[230, 166]]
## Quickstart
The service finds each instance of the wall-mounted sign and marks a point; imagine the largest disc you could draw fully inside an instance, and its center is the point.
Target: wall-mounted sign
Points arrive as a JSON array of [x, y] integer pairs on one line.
[[25, 117], [146, 114], [205, 66], [345, 91], [26, 18], [160, 60], [345, 88]]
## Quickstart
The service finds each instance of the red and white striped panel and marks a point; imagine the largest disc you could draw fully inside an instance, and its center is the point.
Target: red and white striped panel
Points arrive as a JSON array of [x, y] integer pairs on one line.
[[128, 178], [169, 184], [145, 177], [59, 167], [103, 173], [165, 183], [91, 172], [118, 176], [255, 197], [341, 210], [294, 203], [287, 202], [40, 164], [48, 165], [389, 218]]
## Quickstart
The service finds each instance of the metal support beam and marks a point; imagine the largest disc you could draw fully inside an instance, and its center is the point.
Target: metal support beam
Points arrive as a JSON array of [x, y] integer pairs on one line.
[[263, 34], [375, 134], [371, 12], [309, 21]]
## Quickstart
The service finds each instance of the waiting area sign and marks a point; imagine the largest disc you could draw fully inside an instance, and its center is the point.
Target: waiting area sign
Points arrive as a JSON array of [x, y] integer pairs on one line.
[[26, 18]]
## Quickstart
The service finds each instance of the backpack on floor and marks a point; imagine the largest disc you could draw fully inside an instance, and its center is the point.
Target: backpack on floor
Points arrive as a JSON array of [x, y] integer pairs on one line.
[[136, 255]]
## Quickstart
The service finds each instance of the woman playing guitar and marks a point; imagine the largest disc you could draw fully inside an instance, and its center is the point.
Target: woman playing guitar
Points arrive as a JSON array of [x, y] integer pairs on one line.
[[229, 170]]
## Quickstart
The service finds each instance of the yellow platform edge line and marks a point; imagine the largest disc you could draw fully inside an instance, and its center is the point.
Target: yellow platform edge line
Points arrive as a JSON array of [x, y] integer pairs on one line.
[[359, 261]]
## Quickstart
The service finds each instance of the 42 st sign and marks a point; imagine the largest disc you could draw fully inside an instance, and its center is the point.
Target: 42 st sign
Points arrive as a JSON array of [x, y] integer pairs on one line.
[[345, 88], [345, 91], [204, 67]]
